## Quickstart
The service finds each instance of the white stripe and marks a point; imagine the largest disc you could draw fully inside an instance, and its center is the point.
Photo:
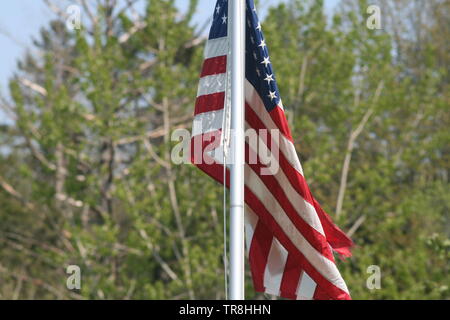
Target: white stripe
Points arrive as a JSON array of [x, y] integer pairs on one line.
[[251, 219], [207, 122], [286, 146], [305, 210], [323, 265], [212, 84], [276, 261], [306, 288], [216, 47]]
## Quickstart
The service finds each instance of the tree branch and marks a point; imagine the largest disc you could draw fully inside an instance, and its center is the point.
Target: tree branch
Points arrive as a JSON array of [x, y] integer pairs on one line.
[[351, 145]]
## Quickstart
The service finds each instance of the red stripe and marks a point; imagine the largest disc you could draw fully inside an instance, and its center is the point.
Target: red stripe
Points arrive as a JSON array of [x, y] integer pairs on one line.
[[320, 294], [279, 118], [316, 239], [209, 102], [291, 277], [214, 65], [259, 253], [335, 237]]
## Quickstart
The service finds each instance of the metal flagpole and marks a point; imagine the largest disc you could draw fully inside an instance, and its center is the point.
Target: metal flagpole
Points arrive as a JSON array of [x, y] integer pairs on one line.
[[237, 14]]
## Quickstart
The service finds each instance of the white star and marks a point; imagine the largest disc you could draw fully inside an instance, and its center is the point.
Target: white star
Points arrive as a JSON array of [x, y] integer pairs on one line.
[[269, 78], [224, 19], [272, 95], [262, 44], [259, 27], [266, 61], [217, 9]]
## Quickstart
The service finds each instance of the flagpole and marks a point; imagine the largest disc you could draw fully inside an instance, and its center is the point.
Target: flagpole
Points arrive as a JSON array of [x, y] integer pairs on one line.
[[237, 249]]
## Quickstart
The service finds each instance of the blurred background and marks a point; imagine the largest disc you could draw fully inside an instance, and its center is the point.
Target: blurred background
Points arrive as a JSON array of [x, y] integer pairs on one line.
[[86, 116]]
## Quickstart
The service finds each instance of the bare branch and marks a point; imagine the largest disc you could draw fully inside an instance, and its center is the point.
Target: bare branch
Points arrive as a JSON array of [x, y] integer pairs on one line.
[[14, 193], [356, 226], [157, 133], [8, 110], [154, 155], [351, 145], [33, 86], [174, 200], [58, 293], [158, 258], [86, 8], [38, 155], [138, 25], [63, 15]]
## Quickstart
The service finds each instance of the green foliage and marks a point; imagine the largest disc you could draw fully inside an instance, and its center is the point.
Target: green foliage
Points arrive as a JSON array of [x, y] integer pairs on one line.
[[86, 176]]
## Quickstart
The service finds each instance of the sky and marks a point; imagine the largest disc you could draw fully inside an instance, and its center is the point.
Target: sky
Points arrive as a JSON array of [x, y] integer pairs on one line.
[[20, 21]]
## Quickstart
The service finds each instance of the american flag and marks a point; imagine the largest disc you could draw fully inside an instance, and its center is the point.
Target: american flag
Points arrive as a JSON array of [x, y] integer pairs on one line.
[[290, 239]]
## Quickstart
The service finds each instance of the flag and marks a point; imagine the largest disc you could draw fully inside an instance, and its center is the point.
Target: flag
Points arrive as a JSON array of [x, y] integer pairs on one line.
[[289, 238]]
